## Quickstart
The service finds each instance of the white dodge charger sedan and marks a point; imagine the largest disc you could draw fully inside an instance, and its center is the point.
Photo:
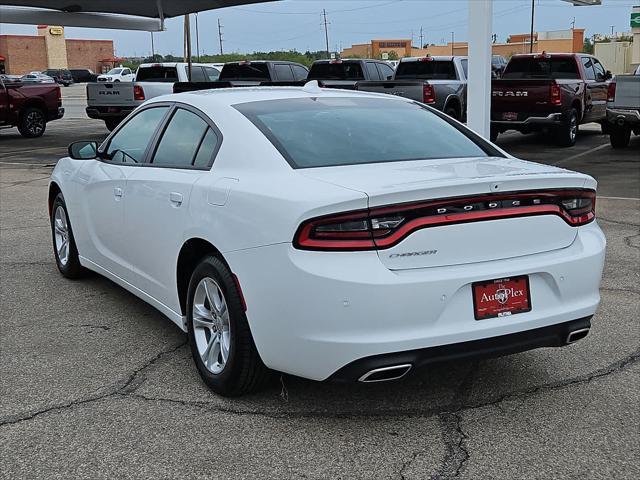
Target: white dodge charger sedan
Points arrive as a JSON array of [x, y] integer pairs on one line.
[[328, 234]]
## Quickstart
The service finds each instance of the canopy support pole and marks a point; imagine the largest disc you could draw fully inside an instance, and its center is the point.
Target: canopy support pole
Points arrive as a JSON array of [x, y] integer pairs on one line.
[[479, 81], [187, 45]]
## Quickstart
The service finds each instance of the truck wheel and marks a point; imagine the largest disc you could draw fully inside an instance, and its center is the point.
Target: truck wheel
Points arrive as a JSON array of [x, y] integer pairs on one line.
[[112, 123], [619, 136], [567, 133], [452, 112], [493, 135], [32, 122]]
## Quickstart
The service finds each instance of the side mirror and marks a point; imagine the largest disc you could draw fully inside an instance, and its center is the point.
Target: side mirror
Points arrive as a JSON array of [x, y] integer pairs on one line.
[[83, 150], [389, 77], [608, 75]]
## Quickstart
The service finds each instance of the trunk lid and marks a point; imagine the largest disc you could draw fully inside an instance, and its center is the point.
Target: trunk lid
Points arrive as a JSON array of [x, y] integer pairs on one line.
[[405, 182]]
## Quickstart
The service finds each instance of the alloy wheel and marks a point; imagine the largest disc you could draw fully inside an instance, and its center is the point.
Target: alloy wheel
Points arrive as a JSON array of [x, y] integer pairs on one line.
[[61, 233], [211, 325], [35, 122]]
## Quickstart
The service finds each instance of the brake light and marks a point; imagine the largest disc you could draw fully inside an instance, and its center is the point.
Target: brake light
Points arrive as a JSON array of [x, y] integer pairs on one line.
[[428, 93], [138, 92], [556, 94], [384, 227], [427, 58], [611, 92], [335, 61]]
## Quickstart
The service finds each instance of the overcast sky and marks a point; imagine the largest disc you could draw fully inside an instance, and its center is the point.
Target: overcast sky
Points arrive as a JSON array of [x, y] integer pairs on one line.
[[297, 24]]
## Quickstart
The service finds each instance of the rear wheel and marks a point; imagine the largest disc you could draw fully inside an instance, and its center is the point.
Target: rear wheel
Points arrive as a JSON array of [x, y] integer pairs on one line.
[[567, 133], [619, 136], [219, 336], [64, 244], [452, 112], [32, 122]]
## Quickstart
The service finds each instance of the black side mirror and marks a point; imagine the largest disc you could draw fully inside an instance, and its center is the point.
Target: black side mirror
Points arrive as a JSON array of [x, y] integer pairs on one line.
[[83, 150], [608, 75]]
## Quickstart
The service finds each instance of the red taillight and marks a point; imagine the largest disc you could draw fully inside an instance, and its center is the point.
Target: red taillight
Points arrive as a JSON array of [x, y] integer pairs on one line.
[[384, 227], [138, 92], [556, 94], [428, 93], [611, 92]]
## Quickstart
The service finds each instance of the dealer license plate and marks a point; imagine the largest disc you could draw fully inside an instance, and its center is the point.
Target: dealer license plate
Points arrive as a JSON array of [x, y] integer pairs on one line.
[[501, 297], [510, 115]]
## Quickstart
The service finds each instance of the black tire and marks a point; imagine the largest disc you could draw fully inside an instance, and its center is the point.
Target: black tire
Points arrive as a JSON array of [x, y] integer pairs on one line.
[[493, 134], [452, 112], [70, 268], [112, 123], [619, 136], [32, 122], [244, 371], [567, 133], [116, 81]]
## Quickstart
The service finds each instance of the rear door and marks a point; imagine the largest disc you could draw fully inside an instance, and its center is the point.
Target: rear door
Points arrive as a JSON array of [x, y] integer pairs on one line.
[[156, 209], [4, 103]]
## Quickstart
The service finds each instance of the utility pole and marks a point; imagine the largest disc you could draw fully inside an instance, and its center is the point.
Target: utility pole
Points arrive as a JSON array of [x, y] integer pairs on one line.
[[573, 23], [533, 13], [326, 31], [421, 39], [197, 39], [612, 26], [452, 42], [220, 35], [187, 44], [153, 50]]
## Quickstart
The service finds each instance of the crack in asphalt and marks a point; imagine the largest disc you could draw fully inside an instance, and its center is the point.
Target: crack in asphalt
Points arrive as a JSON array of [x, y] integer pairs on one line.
[[623, 290], [627, 241], [617, 222], [115, 389]]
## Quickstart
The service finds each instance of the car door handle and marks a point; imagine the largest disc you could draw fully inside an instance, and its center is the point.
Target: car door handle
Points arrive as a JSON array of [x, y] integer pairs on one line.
[[176, 198], [117, 192]]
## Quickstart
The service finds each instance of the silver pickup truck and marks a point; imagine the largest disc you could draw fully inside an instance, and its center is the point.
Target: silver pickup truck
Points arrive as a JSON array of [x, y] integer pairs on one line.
[[623, 109], [112, 102], [440, 82]]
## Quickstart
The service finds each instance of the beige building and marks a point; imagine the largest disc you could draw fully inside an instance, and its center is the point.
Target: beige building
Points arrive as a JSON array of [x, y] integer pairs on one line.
[[555, 41]]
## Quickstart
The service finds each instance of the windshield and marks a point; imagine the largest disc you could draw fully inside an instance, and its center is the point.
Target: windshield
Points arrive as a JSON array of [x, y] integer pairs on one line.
[[336, 71], [550, 68], [427, 70], [245, 71], [114, 71], [321, 132]]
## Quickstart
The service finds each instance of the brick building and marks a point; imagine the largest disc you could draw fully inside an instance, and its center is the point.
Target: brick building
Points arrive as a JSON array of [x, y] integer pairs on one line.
[[20, 54]]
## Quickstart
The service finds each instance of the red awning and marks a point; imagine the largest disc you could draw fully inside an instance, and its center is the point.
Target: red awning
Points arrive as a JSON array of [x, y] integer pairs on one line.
[[2, 59]]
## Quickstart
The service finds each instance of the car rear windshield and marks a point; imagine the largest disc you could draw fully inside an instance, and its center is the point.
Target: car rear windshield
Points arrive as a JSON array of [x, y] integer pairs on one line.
[[428, 70], [157, 74], [532, 67], [321, 132], [245, 71], [336, 71]]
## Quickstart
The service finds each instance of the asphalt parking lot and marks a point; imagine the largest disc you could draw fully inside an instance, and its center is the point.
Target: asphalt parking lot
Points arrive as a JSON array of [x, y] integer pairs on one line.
[[94, 383]]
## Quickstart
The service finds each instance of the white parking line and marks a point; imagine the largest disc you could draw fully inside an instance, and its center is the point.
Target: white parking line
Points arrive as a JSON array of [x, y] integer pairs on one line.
[[619, 198], [581, 154]]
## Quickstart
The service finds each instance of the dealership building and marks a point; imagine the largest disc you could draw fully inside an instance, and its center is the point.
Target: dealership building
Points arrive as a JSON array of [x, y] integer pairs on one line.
[[20, 54]]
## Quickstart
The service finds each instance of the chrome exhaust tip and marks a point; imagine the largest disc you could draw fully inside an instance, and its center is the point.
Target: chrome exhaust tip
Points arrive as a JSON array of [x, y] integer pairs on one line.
[[576, 335], [385, 374]]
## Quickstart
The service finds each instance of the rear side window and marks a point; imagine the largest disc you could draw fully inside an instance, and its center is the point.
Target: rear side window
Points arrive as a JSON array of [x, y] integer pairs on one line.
[[130, 143], [211, 73], [299, 72], [283, 72], [197, 74], [336, 71], [465, 67], [245, 71], [157, 74], [385, 71], [427, 70], [550, 68], [372, 71], [186, 141], [321, 132]]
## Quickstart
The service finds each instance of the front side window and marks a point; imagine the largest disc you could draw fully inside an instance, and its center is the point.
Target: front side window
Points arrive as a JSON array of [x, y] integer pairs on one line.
[[283, 72], [130, 143], [185, 136], [600, 71], [197, 74], [372, 71], [321, 132], [211, 73], [299, 72], [386, 72], [589, 73], [114, 71]]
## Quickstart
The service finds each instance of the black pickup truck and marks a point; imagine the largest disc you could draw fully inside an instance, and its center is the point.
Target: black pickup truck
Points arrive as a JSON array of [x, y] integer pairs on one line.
[[557, 91], [259, 71], [347, 73]]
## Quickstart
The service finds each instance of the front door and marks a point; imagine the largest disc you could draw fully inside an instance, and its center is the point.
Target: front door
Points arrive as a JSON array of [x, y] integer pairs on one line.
[[104, 185], [157, 202]]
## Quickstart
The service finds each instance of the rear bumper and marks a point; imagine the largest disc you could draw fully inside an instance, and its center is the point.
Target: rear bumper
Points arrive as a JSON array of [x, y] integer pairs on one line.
[[108, 112], [552, 119], [314, 313], [550, 336], [623, 115]]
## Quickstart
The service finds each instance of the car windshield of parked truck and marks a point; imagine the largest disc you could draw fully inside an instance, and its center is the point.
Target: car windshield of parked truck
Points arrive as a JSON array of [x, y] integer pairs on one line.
[[336, 71], [157, 74], [321, 132], [533, 67], [114, 71], [427, 70], [245, 71]]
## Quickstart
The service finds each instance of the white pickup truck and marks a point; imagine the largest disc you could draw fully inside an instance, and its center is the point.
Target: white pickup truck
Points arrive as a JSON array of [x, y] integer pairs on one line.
[[113, 101]]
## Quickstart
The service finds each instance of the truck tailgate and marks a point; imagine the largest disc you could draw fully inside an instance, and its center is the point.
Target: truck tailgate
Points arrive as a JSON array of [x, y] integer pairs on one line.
[[107, 94], [406, 89], [520, 97], [627, 92]]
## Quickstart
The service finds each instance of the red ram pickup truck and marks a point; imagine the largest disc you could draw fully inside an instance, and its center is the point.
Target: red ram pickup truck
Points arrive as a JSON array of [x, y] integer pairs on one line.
[[557, 91], [29, 106]]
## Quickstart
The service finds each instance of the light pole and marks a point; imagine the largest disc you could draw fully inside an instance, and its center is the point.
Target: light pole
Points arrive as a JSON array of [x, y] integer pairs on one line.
[[533, 12]]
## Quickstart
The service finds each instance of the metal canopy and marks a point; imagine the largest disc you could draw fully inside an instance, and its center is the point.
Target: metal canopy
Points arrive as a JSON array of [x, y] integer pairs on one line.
[[121, 14]]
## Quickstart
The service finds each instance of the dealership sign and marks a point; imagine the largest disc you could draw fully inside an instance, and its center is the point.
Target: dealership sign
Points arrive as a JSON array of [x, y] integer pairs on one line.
[[635, 20], [56, 30]]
